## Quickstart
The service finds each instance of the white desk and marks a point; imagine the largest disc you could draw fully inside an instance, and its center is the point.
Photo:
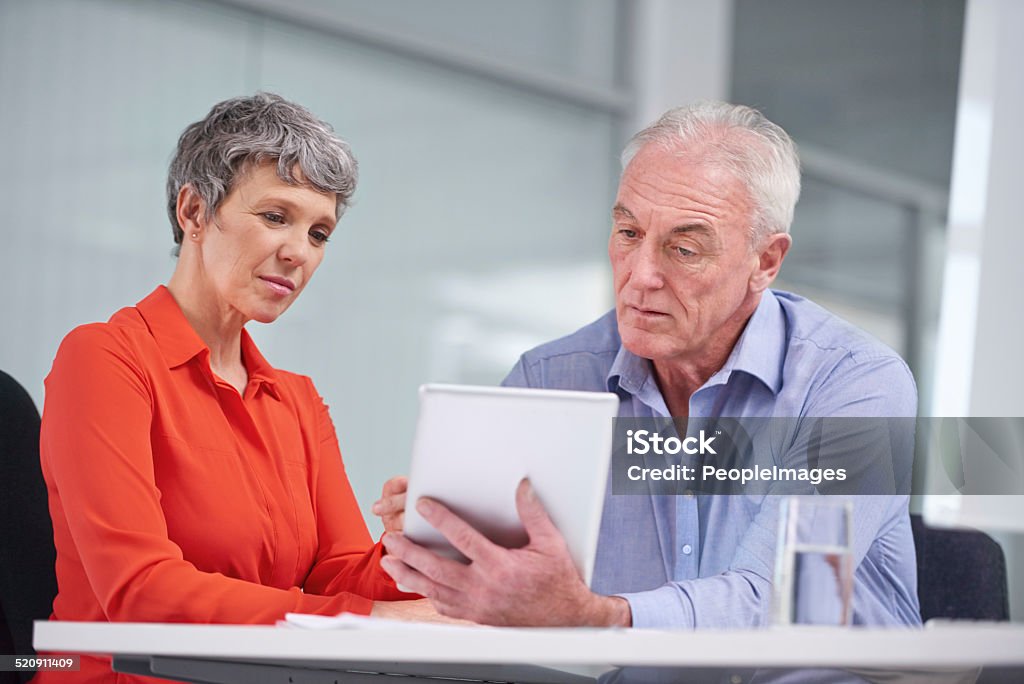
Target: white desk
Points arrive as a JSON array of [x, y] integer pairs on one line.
[[948, 645]]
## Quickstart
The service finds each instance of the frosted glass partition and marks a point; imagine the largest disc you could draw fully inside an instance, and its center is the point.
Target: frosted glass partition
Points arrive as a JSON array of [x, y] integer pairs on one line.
[[479, 227], [849, 244], [872, 85], [571, 38], [94, 96], [874, 80]]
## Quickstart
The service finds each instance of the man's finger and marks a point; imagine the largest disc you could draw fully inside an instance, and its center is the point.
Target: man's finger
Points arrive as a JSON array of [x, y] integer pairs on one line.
[[534, 517], [441, 570], [406, 578], [457, 531]]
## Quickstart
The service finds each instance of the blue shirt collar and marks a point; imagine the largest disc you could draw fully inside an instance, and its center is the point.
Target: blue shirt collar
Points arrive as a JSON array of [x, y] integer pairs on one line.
[[760, 352]]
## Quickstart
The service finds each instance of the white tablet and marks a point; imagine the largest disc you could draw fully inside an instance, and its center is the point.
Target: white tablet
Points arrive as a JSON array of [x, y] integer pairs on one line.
[[474, 445]]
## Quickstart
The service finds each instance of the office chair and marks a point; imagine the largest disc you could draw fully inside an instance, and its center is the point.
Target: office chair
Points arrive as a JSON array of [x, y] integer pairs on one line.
[[27, 578], [961, 574]]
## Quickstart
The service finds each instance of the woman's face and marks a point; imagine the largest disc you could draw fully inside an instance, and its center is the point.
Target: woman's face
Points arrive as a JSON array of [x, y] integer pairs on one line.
[[265, 241]]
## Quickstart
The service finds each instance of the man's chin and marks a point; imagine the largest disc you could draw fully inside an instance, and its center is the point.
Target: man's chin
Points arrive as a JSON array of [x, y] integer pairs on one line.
[[645, 344]]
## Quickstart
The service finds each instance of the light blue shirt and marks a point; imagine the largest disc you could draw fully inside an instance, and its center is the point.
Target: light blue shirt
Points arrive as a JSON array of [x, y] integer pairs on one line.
[[708, 560]]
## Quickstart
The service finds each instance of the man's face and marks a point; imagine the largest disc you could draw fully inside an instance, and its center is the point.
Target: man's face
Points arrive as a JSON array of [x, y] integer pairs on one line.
[[681, 257]]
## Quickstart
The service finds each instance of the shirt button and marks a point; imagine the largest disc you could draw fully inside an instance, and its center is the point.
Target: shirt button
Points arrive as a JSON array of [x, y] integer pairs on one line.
[[736, 679], [687, 549], [688, 493]]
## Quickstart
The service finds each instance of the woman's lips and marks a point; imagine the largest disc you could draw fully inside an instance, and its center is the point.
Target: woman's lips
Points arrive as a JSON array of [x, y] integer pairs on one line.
[[279, 285]]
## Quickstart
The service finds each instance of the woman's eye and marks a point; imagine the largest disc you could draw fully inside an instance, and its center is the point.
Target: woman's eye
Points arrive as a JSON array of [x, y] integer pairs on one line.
[[274, 217], [319, 236]]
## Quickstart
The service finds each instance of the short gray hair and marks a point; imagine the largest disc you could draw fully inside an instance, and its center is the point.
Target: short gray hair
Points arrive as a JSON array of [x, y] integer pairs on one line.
[[757, 151], [243, 132]]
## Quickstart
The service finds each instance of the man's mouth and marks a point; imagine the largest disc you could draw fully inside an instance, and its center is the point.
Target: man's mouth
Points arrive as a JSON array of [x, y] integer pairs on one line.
[[643, 311]]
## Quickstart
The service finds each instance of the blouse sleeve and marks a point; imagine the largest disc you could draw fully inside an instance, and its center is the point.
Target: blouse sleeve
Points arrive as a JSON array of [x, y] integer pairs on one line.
[[98, 460], [343, 563]]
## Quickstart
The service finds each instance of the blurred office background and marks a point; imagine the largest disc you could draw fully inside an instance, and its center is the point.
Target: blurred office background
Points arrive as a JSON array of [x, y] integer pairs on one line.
[[488, 134]]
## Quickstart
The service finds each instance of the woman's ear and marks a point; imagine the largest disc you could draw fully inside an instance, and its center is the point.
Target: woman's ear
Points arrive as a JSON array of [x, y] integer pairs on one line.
[[191, 211]]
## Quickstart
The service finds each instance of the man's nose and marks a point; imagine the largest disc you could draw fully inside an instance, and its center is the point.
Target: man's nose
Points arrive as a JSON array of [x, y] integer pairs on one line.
[[646, 268]]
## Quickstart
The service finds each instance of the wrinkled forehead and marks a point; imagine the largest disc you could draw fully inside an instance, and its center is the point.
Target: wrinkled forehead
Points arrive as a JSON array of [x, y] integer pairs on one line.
[[715, 156], [672, 191], [664, 171], [250, 168]]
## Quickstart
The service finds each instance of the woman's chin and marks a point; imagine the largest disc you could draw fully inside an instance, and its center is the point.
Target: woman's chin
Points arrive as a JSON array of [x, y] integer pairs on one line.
[[267, 314]]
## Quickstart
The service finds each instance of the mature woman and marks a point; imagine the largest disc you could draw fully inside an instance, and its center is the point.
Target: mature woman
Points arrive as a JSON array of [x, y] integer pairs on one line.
[[189, 480]]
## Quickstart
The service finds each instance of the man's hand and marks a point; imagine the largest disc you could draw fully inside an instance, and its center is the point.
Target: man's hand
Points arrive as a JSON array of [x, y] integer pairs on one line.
[[390, 507], [535, 585]]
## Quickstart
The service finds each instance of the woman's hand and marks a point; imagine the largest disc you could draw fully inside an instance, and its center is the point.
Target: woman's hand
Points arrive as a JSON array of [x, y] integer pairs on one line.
[[412, 611], [390, 508]]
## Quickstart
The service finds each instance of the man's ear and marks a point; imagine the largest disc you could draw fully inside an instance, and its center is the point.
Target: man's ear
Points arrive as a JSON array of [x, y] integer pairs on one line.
[[769, 260], [191, 211]]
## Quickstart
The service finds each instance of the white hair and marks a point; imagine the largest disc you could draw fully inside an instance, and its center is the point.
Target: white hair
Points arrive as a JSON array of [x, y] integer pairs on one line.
[[758, 152]]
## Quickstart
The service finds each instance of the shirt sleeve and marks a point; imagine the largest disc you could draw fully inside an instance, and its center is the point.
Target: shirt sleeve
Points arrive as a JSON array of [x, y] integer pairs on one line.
[[347, 561], [517, 377], [97, 456]]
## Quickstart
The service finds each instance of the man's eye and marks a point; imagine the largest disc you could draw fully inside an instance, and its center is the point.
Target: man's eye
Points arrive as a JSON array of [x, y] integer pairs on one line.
[[682, 251], [319, 236], [273, 217], [627, 233]]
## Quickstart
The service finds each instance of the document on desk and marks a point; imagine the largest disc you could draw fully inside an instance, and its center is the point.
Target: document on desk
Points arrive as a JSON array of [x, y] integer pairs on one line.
[[363, 622]]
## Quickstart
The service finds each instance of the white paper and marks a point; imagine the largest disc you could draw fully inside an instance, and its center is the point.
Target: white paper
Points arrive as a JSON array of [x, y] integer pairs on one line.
[[364, 622]]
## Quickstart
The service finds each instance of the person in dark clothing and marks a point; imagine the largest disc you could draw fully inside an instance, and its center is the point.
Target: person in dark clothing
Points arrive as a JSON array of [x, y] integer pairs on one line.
[[27, 580]]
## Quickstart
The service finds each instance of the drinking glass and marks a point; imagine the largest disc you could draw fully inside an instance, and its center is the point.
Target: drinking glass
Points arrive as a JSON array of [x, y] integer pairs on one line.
[[814, 563]]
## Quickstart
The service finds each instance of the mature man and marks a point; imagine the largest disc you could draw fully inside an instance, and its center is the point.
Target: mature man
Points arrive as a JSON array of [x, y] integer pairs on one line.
[[700, 230]]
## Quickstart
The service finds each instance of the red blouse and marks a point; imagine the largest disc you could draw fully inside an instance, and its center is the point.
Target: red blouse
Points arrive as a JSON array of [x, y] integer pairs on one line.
[[174, 499]]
